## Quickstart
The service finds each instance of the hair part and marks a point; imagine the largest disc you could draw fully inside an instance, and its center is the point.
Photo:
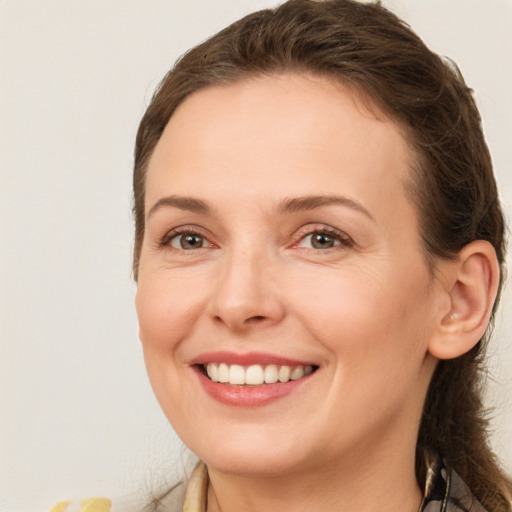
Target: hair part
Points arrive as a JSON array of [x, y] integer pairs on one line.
[[371, 51]]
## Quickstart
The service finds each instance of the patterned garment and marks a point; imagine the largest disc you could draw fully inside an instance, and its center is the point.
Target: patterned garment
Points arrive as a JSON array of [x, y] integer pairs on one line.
[[90, 505], [444, 489], [444, 492]]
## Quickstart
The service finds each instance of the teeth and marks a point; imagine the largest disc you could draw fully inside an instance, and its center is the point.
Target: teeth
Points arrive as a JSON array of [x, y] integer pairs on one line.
[[284, 373], [271, 374], [213, 372], [236, 374], [223, 374], [297, 373], [255, 374]]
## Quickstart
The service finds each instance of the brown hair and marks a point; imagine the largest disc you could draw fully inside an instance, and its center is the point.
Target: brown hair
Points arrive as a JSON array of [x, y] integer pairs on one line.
[[369, 49]]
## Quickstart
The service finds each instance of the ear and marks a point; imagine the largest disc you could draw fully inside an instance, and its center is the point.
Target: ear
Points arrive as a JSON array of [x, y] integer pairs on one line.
[[473, 281]]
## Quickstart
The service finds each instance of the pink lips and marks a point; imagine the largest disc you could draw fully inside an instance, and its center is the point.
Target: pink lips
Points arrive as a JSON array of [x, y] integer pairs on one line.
[[246, 359], [247, 396]]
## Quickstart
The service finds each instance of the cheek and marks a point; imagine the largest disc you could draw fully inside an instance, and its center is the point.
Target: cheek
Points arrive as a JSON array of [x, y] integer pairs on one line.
[[167, 310], [377, 334], [367, 320]]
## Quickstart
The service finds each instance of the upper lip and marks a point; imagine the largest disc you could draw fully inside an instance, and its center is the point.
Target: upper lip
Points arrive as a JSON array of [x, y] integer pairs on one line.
[[247, 359]]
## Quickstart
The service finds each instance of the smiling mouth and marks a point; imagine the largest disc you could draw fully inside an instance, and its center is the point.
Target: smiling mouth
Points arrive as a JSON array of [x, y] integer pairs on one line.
[[255, 375]]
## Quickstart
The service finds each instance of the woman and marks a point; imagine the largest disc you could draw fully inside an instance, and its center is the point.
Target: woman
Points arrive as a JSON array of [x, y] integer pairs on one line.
[[318, 248]]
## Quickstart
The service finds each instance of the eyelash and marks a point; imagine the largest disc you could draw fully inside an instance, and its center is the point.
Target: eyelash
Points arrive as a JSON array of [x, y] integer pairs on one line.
[[182, 231], [338, 236]]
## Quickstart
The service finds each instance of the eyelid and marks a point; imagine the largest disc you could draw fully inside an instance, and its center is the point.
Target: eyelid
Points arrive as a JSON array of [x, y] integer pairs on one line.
[[305, 231], [183, 230]]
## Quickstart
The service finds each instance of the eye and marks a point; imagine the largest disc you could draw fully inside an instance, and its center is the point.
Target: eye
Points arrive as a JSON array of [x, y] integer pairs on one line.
[[322, 239], [187, 241], [319, 241]]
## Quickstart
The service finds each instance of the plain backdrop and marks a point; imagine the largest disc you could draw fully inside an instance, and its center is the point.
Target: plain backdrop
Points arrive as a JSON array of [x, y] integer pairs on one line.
[[77, 416]]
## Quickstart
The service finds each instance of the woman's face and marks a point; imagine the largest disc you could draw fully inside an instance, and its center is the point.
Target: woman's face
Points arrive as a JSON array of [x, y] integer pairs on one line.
[[280, 244]]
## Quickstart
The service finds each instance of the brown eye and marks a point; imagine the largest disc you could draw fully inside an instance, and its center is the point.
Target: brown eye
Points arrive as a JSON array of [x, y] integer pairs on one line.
[[322, 241], [319, 241], [188, 241]]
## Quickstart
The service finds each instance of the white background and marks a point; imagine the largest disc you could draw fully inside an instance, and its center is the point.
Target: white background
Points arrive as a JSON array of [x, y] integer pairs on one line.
[[77, 416]]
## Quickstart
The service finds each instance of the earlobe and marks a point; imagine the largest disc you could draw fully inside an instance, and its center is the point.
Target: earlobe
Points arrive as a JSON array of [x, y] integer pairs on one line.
[[474, 281]]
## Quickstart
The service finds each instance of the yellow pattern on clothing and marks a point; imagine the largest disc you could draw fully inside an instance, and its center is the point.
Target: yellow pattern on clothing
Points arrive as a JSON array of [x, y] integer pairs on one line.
[[61, 506], [90, 505], [96, 505]]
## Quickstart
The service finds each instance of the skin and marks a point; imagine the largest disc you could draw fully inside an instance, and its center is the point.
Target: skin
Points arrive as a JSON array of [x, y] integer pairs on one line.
[[364, 311]]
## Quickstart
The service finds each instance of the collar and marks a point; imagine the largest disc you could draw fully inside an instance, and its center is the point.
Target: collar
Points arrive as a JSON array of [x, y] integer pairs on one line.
[[197, 489]]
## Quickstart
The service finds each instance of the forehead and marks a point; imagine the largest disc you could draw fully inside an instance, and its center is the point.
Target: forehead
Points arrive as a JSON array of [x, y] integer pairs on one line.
[[288, 134]]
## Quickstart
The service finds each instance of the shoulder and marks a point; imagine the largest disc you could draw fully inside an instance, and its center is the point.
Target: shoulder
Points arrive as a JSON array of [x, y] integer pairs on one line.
[[89, 505]]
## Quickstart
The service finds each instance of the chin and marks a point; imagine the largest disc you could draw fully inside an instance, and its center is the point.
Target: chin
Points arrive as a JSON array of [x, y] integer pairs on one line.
[[250, 455], [260, 464]]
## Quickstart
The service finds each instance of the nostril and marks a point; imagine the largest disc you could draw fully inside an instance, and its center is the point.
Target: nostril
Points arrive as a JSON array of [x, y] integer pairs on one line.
[[256, 318]]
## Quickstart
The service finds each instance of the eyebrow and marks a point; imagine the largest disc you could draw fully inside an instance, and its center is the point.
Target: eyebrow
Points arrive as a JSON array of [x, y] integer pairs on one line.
[[291, 205], [312, 202], [190, 204]]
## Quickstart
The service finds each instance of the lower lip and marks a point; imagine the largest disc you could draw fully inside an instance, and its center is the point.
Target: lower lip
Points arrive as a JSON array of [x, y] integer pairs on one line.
[[249, 396]]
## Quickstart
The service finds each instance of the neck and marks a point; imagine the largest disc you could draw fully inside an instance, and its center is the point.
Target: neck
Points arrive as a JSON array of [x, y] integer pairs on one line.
[[370, 481]]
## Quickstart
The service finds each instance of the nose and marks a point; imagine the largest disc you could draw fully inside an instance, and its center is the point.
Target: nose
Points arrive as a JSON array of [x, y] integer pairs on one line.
[[247, 294]]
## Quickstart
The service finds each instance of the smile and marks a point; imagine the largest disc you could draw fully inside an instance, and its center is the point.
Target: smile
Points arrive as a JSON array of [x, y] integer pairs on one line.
[[251, 379], [256, 374]]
